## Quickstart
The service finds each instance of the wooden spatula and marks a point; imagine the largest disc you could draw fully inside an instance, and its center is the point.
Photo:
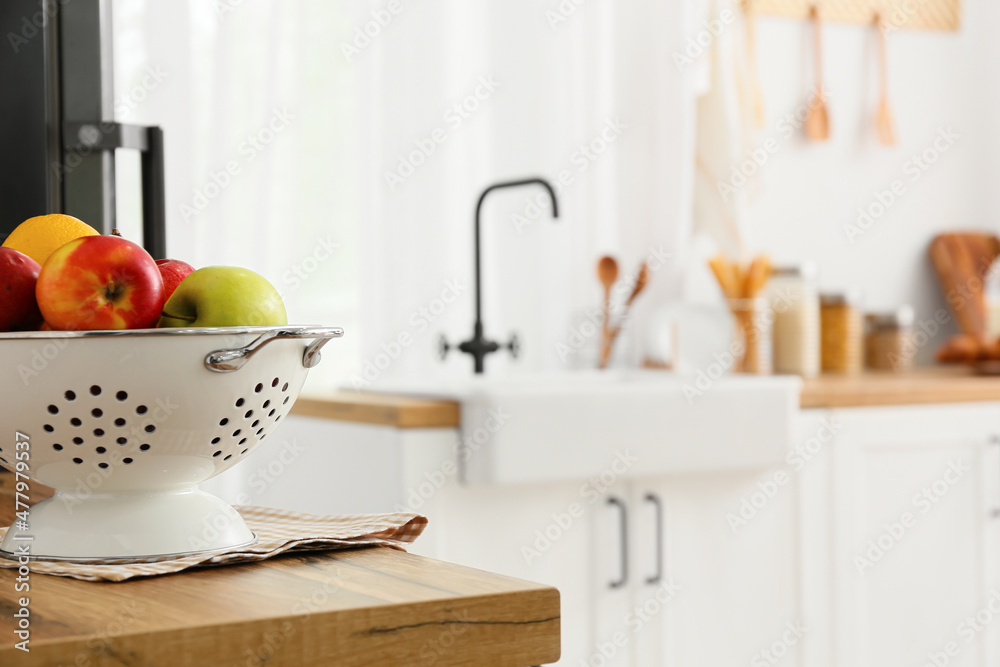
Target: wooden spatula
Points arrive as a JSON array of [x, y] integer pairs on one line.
[[818, 121], [755, 94], [883, 118]]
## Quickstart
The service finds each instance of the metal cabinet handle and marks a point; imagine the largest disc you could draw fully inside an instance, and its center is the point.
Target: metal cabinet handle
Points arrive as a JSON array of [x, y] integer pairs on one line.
[[658, 505], [623, 534]]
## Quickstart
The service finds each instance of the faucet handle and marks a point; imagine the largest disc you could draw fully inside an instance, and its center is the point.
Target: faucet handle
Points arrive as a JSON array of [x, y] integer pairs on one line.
[[443, 347], [514, 345]]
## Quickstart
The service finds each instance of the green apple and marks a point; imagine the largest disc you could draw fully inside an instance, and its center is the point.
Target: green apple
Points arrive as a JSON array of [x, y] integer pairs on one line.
[[224, 296]]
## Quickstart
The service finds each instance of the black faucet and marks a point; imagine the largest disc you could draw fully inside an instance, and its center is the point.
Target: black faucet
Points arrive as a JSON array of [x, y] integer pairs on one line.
[[479, 346]]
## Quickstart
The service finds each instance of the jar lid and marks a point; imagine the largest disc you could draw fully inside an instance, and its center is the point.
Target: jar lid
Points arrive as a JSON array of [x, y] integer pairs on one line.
[[839, 299], [806, 269], [901, 318]]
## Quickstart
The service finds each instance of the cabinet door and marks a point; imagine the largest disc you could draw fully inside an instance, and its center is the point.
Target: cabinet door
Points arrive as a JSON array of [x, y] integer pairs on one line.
[[914, 536], [734, 599]]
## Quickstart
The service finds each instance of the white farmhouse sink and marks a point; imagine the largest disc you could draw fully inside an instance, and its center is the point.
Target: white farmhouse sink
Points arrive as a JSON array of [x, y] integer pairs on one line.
[[575, 425]]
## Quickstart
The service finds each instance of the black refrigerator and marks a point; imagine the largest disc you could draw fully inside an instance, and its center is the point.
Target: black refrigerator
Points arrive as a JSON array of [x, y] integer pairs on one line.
[[58, 135]]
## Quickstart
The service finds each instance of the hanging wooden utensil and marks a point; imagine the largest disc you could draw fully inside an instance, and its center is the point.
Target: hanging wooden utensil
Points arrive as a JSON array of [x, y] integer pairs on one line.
[[818, 121], [756, 96], [883, 117]]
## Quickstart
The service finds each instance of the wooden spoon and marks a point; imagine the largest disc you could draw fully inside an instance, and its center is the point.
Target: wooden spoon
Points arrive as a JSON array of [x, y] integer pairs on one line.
[[607, 273], [883, 118], [818, 121]]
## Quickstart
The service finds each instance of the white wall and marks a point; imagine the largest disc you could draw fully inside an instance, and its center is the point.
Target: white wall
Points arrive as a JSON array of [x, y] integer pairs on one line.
[[808, 192]]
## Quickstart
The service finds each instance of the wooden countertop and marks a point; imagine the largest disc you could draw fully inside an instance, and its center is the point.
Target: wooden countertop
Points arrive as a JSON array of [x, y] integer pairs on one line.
[[381, 409], [930, 385], [948, 384], [372, 606]]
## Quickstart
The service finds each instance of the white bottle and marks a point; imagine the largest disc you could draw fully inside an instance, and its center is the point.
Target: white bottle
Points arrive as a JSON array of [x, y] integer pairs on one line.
[[794, 296]]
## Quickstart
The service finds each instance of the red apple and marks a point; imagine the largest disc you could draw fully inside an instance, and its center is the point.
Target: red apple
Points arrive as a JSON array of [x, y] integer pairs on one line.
[[100, 282], [173, 272], [18, 308]]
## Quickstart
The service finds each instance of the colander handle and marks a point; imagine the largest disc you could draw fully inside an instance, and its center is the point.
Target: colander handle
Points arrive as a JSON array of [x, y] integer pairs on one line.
[[227, 361]]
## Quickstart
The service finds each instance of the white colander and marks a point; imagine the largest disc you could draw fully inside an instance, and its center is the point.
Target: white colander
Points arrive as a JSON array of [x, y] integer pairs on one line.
[[125, 424]]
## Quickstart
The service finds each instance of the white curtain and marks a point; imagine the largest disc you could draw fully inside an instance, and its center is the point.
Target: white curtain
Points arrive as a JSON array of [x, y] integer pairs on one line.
[[465, 94], [259, 110]]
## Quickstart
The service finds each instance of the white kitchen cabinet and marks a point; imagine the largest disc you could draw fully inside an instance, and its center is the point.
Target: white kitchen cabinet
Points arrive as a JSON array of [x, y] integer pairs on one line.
[[694, 591], [904, 500]]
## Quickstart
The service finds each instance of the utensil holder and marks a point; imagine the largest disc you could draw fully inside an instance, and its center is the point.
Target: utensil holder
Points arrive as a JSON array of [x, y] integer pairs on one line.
[[754, 325]]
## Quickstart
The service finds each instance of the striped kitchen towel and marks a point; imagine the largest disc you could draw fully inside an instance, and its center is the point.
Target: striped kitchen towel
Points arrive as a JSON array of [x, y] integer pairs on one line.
[[277, 531]]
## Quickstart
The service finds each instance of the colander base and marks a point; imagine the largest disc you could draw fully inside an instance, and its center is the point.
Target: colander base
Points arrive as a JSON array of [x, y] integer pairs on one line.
[[120, 526]]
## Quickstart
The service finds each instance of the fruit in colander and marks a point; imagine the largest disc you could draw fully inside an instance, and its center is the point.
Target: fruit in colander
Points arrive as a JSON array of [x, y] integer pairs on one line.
[[224, 296], [100, 282], [18, 274], [40, 236], [173, 272]]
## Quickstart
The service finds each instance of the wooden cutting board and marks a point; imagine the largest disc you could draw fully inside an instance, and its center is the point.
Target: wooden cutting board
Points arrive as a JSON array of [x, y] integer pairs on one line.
[[961, 259]]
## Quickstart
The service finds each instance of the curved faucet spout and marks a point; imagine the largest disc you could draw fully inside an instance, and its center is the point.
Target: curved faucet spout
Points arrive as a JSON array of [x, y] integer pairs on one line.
[[479, 346]]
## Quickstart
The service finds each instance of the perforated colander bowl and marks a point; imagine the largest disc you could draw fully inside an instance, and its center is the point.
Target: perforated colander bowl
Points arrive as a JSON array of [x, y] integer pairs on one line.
[[125, 424]]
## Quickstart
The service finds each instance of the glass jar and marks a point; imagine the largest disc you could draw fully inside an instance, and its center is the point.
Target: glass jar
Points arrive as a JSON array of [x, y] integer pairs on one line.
[[754, 321], [889, 340], [991, 297], [795, 299], [841, 334]]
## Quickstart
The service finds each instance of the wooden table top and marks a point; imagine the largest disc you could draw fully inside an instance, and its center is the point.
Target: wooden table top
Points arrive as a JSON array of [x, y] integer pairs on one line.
[[372, 606], [927, 385]]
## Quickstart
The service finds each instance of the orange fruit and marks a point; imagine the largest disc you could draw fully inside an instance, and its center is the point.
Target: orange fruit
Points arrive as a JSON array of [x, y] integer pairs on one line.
[[38, 237]]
